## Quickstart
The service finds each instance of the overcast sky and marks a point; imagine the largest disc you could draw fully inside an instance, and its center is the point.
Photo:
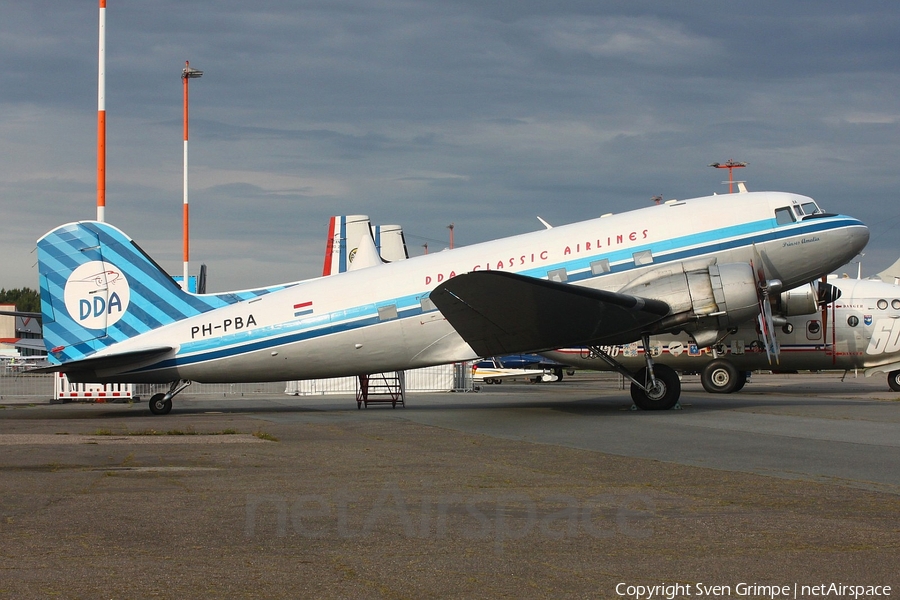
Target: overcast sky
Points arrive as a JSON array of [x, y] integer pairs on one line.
[[478, 113]]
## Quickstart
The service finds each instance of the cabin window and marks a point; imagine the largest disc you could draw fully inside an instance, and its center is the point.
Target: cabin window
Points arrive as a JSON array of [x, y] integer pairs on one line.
[[644, 257], [558, 275], [599, 267], [882, 305], [386, 313], [852, 320], [783, 216], [426, 304], [895, 304], [813, 330]]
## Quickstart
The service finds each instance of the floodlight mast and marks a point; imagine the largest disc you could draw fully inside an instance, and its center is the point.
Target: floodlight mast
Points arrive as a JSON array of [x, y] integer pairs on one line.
[[186, 74], [101, 116], [730, 165]]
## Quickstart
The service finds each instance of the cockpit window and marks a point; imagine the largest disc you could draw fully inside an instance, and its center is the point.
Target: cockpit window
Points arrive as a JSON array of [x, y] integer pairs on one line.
[[810, 208], [783, 216]]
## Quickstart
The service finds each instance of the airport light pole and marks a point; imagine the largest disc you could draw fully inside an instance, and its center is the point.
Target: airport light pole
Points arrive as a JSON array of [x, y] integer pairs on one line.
[[101, 116], [730, 165], [186, 74]]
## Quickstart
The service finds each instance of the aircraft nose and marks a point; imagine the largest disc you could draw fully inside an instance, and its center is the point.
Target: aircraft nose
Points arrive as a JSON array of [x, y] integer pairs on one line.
[[857, 237]]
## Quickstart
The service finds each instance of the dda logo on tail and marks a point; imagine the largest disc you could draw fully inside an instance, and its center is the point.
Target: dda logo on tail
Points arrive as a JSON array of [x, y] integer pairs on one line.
[[97, 294]]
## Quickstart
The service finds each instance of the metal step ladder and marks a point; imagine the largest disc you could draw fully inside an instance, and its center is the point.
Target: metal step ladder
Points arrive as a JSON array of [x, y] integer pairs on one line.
[[381, 388]]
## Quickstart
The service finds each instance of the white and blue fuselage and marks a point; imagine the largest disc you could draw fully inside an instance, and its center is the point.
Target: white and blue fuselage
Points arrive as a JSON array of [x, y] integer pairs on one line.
[[380, 318]]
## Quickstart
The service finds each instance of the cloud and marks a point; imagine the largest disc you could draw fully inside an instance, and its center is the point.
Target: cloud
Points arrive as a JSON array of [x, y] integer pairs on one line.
[[426, 113]]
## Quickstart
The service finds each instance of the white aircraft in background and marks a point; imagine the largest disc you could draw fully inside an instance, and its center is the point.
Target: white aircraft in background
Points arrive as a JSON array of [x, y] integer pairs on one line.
[[857, 327], [496, 369], [704, 266], [353, 244]]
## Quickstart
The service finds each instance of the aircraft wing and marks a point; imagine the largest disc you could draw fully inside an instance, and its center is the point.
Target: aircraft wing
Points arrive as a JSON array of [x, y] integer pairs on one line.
[[500, 313], [499, 374]]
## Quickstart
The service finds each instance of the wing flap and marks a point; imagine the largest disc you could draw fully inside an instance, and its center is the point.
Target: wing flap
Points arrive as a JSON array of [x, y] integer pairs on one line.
[[500, 313]]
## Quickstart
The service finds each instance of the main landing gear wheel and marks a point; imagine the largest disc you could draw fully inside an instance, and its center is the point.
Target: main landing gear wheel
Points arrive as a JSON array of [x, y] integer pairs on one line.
[[663, 395], [894, 380], [742, 381], [159, 405], [722, 377]]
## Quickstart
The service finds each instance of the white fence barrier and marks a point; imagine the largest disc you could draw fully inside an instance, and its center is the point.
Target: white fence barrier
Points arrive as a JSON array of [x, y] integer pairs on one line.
[[14, 384], [442, 378], [98, 392]]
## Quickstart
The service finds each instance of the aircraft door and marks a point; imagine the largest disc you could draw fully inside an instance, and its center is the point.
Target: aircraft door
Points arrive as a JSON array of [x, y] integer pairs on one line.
[[852, 334]]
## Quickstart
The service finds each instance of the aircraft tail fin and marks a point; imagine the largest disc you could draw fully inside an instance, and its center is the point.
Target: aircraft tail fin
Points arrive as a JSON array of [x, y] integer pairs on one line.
[[99, 288], [391, 242], [349, 240], [344, 233]]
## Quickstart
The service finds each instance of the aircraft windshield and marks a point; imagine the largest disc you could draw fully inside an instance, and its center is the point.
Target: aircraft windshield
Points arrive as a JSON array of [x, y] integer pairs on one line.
[[811, 208], [798, 212]]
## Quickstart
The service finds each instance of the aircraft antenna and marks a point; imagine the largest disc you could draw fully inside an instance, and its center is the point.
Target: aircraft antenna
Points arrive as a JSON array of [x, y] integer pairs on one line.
[[186, 74], [730, 165], [101, 116], [450, 227]]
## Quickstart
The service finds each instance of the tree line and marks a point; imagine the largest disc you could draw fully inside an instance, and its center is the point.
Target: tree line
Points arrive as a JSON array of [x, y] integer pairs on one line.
[[25, 299]]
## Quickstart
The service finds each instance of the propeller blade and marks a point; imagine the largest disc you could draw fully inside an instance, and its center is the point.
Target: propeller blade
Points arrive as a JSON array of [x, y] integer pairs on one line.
[[765, 287], [772, 348]]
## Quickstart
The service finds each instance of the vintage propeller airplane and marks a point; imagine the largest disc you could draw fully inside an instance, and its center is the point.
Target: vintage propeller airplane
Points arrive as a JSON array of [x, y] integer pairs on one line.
[[844, 324], [703, 266]]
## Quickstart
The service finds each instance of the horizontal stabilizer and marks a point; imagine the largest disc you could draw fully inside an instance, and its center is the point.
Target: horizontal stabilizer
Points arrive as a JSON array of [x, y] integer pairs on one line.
[[20, 313], [29, 344], [500, 313], [86, 369]]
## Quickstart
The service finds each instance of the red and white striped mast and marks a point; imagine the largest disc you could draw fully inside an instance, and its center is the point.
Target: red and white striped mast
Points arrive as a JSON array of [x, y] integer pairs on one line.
[[186, 74], [101, 117]]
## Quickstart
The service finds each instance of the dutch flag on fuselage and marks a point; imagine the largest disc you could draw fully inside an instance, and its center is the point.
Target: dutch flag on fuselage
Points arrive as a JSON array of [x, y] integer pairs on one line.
[[304, 308]]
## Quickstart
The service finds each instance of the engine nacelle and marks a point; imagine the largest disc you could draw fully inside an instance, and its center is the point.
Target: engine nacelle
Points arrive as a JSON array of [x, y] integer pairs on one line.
[[803, 300], [704, 301], [806, 299]]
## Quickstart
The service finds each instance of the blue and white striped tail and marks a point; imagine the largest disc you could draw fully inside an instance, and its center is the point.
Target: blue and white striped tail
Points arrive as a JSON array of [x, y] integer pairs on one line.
[[99, 288]]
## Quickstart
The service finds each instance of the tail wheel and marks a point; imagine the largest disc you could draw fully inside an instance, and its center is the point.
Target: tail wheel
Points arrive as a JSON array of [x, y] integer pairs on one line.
[[159, 405], [662, 396], [721, 377], [894, 380]]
